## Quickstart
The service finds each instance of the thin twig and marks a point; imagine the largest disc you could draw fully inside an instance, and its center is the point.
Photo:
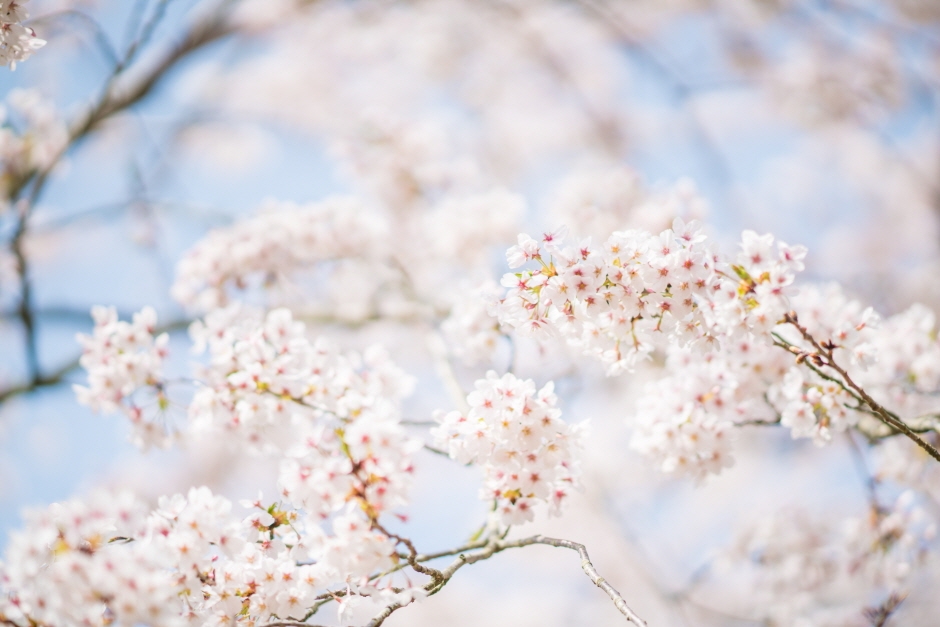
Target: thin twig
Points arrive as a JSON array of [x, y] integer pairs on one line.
[[496, 545], [588, 567], [436, 451]]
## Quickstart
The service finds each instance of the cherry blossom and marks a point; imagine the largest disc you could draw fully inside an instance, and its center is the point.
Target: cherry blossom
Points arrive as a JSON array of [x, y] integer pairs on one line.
[[17, 42], [516, 434], [122, 358]]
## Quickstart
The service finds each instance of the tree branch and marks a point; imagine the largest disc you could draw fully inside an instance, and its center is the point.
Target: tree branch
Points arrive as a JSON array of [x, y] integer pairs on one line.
[[823, 356]]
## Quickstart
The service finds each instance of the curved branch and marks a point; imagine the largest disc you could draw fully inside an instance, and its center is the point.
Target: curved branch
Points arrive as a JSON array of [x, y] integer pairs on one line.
[[497, 545]]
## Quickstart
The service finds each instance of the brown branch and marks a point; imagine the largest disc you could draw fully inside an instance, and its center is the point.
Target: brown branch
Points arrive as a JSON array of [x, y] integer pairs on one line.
[[823, 356], [412, 556], [117, 97], [878, 616], [497, 545], [25, 309]]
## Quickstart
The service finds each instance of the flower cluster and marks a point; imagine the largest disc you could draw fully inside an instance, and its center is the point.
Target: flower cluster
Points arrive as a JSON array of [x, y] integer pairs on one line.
[[108, 561], [333, 419], [904, 370], [612, 300], [683, 417], [17, 42], [86, 563], [267, 248], [121, 358], [516, 434], [229, 570], [274, 563], [683, 421], [639, 292]]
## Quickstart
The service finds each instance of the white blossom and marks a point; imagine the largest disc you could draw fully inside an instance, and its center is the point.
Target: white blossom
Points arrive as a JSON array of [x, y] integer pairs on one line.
[[527, 452]]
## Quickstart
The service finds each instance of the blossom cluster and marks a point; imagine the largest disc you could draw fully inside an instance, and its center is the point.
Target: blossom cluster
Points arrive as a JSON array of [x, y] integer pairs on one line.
[[332, 419], [516, 434], [723, 323], [332, 422], [274, 563], [83, 562], [684, 420], [904, 367], [108, 560], [612, 300], [121, 358], [17, 42]]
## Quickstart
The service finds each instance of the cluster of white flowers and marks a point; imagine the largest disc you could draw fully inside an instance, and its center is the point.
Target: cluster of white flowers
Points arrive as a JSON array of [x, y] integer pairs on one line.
[[267, 248], [516, 434], [895, 359], [905, 373], [333, 419], [86, 563], [612, 300], [32, 135], [121, 358], [615, 301], [683, 420], [17, 42], [229, 571], [275, 563], [109, 561], [823, 571], [683, 417]]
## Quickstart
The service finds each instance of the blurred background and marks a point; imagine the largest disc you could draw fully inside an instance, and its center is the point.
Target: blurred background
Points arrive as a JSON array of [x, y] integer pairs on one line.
[[143, 124]]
